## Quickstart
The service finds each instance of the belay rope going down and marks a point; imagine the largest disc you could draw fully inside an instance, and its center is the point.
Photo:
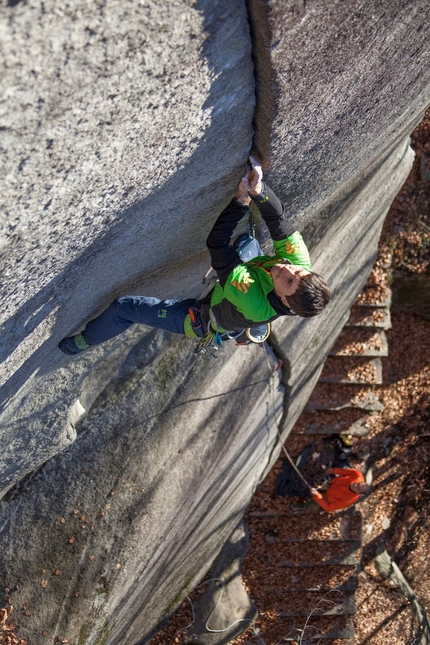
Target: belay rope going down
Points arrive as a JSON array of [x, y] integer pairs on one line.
[[247, 247], [292, 462]]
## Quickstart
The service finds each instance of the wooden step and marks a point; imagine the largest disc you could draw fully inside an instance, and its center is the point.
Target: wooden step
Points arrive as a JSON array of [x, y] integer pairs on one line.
[[349, 421], [357, 370], [380, 275], [360, 342], [309, 553], [318, 628], [326, 628], [293, 640], [332, 603], [375, 295], [327, 396], [317, 588], [314, 578], [369, 316], [281, 526], [331, 641]]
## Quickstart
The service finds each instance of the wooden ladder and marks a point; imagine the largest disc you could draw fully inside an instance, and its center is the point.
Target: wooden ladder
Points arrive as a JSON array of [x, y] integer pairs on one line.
[[312, 557]]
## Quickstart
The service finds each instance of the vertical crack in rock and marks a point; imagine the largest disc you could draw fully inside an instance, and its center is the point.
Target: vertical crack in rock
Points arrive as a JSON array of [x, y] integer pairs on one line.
[[264, 115], [265, 107]]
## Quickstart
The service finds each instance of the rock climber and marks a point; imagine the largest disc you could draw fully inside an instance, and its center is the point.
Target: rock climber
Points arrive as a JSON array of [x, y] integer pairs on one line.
[[247, 294], [344, 490]]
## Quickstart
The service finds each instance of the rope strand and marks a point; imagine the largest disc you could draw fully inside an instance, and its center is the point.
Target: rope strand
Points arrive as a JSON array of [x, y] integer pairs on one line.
[[293, 464]]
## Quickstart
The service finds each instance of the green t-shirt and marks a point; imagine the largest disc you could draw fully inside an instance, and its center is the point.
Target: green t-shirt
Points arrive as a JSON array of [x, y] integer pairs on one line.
[[249, 283]]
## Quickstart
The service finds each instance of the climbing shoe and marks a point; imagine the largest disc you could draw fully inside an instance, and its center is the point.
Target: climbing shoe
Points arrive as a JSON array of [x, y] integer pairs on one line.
[[74, 344]]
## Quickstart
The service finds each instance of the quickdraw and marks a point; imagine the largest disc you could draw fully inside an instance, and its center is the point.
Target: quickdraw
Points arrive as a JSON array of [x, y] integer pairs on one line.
[[211, 340], [214, 339]]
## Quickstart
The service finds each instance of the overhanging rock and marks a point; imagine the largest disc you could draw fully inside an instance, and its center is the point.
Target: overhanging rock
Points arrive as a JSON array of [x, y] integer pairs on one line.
[[124, 134]]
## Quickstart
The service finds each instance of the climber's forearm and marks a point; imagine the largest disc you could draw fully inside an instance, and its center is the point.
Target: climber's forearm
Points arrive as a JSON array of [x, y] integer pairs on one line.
[[273, 213], [223, 256]]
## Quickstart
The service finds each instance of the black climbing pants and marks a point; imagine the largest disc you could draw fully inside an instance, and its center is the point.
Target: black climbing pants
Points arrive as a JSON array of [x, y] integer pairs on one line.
[[126, 311]]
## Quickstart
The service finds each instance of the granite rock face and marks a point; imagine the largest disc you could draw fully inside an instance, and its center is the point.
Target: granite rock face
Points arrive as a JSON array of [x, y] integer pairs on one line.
[[120, 116], [133, 513], [114, 133], [346, 83], [124, 130]]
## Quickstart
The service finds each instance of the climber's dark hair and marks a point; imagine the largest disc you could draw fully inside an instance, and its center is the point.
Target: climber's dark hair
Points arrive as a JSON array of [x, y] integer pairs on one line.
[[311, 296]]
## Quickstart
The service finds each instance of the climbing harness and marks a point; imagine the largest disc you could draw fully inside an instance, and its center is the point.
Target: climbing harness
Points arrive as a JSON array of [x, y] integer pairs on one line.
[[212, 338]]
